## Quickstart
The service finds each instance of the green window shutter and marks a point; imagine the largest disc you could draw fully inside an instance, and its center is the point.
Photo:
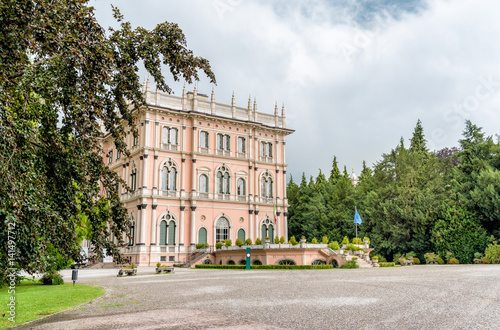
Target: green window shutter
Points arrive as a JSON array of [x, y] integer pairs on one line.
[[163, 233], [241, 235], [202, 236], [171, 233], [271, 232], [264, 231]]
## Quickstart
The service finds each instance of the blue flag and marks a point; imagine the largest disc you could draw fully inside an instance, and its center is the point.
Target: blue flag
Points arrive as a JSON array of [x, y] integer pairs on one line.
[[357, 218]]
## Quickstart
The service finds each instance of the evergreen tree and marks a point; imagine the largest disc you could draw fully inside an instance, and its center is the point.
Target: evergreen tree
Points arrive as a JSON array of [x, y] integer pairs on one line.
[[335, 172], [418, 142]]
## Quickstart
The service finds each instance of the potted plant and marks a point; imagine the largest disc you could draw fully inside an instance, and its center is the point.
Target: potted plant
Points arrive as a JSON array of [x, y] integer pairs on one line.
[[375, 259], [267, 240], [303, 239]]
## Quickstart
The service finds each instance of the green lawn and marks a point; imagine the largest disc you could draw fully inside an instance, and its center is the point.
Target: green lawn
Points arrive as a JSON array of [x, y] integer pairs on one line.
[[33, 300]]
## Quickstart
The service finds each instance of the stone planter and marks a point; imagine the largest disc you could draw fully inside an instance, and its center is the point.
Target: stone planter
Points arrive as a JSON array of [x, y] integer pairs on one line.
[[127, 271], [160, 270], [303, 240], [375, 261], [267, 240]]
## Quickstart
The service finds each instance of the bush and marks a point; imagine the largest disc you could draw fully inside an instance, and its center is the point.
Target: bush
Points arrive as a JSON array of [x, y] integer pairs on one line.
[[357, 240], [440, 261], [324, 240], [293, 241], [228, 242], [218, 245], [454, 261], [201, 245], [355, 258], [345, 241], [430, 257], [351, 247], [282, 240], [485, 260], [416, 261], [239, 242], [258, 241], [314, 241], [265, 266], [492, 252], [350, 265], [387, 264], [248, 241], [277, 240], [449, 255], [51, 277], [334, 245], [375, 258], [158, 265], [132, 266]]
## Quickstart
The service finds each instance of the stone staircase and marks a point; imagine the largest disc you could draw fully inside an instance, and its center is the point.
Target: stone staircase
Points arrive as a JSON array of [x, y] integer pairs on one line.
[[195, 256], [361, 262]]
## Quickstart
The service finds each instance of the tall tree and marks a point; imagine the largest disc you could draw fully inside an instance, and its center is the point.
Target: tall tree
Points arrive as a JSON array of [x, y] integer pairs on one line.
[[62, 77]]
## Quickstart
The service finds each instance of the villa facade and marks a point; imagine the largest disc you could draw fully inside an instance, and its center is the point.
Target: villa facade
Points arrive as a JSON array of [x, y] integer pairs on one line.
[[200, 172]]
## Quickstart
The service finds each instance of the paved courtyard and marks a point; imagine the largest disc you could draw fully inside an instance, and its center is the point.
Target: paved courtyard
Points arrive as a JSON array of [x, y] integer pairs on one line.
[[416, 297]]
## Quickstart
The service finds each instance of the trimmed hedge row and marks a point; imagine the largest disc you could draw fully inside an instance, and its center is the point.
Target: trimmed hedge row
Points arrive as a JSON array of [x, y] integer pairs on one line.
[[386, 264], [265, 266]]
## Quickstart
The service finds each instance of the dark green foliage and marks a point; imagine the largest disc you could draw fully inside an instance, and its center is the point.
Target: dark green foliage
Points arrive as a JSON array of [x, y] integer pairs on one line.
[[201, 245], [454, 261], [248, 241], [266, 266], [350, 265], [62, 76], [239, 242], [492, 253], [414, 200], [52, 277], [258, 241]]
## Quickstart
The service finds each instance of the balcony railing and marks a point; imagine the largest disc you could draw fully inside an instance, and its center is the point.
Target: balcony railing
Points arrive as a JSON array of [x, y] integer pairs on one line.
[[221, 152], [266, 159], [169, 193], [169, 146]]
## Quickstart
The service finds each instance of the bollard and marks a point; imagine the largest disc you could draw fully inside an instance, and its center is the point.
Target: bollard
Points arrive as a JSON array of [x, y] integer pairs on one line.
[[74, 276]]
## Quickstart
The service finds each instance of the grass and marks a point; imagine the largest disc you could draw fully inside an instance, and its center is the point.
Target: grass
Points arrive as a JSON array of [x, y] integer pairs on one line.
[[34, 300]]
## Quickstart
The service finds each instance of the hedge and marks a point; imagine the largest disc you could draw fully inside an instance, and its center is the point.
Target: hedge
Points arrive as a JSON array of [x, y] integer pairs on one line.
[[386, 264], [265, 266]]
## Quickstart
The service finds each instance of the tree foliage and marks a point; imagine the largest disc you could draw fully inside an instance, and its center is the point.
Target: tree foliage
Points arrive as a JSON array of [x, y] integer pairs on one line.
[[63, 80], [412, 201]]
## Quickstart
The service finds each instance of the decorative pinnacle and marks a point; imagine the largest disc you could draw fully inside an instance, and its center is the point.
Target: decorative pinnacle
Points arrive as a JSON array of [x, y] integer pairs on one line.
[[276, 108], [254, 104]]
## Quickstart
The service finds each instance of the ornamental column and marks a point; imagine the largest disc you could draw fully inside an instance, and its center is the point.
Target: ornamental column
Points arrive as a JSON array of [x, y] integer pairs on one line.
[[285, 225], [250, 221], [144, 172], [193, 225], [155, 175], [143, 224], [257, 229], [181, 236], [153, 225]]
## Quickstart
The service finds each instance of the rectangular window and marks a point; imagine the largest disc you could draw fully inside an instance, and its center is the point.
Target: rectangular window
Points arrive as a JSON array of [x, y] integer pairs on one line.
[[223, 144], [135, 141], [171, 258], [266, 151], [163, 258], [241, 145], [169, 138], [118, 154], [204, 142], [110, 156]]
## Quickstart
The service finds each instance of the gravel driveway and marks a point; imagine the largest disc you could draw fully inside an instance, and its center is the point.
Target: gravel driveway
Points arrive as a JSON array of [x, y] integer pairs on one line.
[[416, 297]]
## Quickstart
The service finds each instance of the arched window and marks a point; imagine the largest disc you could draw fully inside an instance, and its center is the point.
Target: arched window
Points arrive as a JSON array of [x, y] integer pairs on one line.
[[207, 262], [319, 262], [221, 230], [240, 187], [203, 183], [202, 235], [241, 234], [132, 233], [267, 229], [163, 232], [286, 262], [167, 230], [266, 185], [223, 180], [171, 233], [169, 176], [230, 262], [257, 262]]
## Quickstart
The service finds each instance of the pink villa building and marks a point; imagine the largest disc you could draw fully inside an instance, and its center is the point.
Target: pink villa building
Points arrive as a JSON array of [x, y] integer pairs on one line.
[[201, 172]]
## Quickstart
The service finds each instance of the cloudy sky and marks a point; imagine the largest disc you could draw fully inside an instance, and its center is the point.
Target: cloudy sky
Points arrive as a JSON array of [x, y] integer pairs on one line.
[[354, 76]]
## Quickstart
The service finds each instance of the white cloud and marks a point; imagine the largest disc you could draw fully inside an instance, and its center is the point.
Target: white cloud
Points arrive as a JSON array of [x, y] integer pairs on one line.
[[349, 91]]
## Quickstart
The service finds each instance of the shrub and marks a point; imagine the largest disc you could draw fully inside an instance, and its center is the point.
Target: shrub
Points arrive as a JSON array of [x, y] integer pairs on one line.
[[218, 245], [345, 240], [201, 245], [382, 259], [293, 241], [277, 240], [228, 242], [430, 257], [492, 252], [355, 258], [375, 258], [485, 260], [440, 260], [334, 245], [416, 261], [132, 266], [351, 247], [239, 242], [350, 265], [267, 237], [302, 237], [51, 277], [248, 241], [265, 266], [258, 241], [357, 240], [411, 255], [324, 240], [314, 241], [453, 261], [158, 265], [386, 264], [282, 240], [449, 255]]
